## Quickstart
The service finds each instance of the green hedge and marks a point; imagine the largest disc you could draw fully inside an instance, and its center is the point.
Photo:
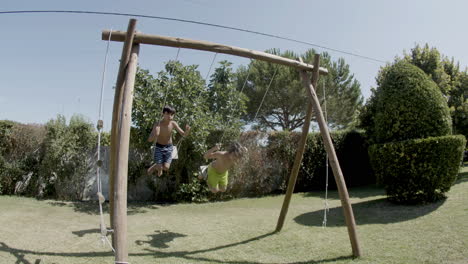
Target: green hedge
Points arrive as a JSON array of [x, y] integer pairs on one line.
[[46, 160], [57, 155], [20, 155], [270, 158], [178, 185], [418, 170], [66, 162], [350, 146], [407, 104]]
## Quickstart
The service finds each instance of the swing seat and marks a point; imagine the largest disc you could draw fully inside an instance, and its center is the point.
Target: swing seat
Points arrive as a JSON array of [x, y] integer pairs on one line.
[[203, 171], [101, 198], [175, 153]]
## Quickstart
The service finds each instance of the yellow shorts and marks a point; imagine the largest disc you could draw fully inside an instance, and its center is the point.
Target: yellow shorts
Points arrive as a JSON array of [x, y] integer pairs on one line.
[[215, 178]]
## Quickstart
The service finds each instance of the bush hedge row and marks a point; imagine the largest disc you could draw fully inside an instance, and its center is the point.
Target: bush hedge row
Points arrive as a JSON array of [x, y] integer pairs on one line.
[[407, 104], [52, 164], [418, 170], [351, 149], [49, 160]]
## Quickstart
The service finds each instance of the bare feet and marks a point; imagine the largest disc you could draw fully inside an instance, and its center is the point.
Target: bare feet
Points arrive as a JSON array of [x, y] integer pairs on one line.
[[160, 173], [151, 169]]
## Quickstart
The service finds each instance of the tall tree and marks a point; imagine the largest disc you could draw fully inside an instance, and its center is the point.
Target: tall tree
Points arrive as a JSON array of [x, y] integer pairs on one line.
[[215, 107], [444, 72], [206, 109], [458, 104], [277, 99], [223, 99], [340, 93], [178, 85], [451, 81]]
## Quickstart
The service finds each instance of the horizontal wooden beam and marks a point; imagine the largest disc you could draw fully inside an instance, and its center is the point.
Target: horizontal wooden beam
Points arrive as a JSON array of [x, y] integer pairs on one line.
[[209, 46]]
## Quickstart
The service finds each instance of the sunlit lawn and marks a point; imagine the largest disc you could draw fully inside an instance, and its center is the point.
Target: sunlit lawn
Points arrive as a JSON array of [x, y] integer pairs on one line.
[[241, 231]]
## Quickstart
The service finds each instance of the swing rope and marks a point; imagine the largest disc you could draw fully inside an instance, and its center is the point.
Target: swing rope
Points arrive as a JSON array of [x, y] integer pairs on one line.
[[209, 70], [264, 95], [170, 84], [176, 147], [100, 125], [326, 209], [199, 95], [167, 92], [180, 141], [241, 91]]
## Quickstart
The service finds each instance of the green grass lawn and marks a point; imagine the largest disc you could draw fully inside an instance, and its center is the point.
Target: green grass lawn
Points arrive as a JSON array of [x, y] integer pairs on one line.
[[241, 231]]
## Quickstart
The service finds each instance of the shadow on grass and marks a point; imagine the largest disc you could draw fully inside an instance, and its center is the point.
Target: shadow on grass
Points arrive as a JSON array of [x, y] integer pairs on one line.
[[378, 211], [354, 192], [20, 254], [462, 177], [188, 254], [92, 207], [160, 239], [82, 233], [167, 236], [371, 190]]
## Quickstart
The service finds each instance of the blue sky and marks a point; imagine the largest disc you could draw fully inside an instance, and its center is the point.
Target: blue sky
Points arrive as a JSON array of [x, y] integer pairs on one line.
[[52, 63]]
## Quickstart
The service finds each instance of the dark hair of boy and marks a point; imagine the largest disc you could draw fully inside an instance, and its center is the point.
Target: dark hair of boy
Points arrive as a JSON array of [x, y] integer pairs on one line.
[[169, 109]]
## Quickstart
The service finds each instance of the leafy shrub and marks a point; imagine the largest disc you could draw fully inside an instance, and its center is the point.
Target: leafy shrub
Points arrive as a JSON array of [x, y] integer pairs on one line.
[[208, 110], [20, 153], [350, 146], [105, 138], [352, 151], [264, 170], [193, 191], [256, 174], [5, 136], [10, 173], [67, 158], [406, 105], [137, 165], [418, 170]]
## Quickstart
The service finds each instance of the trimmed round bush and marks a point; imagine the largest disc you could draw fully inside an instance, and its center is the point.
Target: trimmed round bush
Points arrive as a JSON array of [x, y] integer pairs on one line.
[[419, 170], [408, 105]]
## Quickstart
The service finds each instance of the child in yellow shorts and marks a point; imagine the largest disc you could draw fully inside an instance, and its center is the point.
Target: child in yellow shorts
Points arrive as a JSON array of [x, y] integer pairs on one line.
[[216, 173]]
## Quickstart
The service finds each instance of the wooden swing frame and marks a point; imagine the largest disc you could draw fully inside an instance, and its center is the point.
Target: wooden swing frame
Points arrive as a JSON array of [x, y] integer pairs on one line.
[[121, 121]]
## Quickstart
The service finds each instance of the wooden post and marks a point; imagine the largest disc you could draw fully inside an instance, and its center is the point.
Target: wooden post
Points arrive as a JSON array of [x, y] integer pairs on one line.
[[120, 194], [116, 115], [298, 158], [340, 183]]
